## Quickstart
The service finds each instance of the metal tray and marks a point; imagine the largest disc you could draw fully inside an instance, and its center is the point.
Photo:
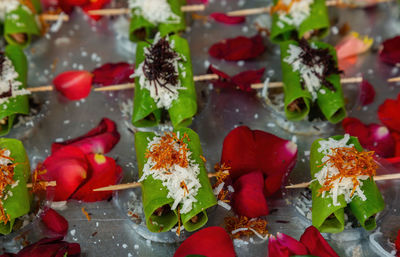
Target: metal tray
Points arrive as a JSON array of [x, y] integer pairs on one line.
[[82, 44]]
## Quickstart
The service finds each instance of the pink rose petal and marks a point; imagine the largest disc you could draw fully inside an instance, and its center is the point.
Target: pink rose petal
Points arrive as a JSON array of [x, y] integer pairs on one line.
[[294, 246], [367, 94], [316, 244], [223, 18]]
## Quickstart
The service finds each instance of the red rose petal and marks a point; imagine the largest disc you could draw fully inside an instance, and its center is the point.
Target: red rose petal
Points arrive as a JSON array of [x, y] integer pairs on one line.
[[239, 48], [55, 222], [294, 246], [101, 139], [367, 93], [373, 137], [68, 167], [113, 74], [316, 244], [210, 242], [103, 172], [397, 243], [389, 114], [51, 247], [223, 18], [275, 249], [390, 52], [396, 137], [95, 5], [244, 79], [276, 157], [248, 198], [74, 85]]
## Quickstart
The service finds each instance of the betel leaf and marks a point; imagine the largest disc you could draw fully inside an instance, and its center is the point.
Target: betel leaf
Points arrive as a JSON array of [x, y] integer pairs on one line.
[[19, 104], [20, 21], [17, 203]]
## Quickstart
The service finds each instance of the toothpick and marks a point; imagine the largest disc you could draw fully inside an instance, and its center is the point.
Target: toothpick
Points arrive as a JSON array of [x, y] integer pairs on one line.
[[376, 178], [40, 89], [54, 17], [47, 183], [121, 11], [130, 185], [260, 10]]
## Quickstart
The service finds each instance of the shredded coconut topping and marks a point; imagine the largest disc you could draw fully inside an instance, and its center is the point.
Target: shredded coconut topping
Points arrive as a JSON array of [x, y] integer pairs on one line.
[[7, 6], [343, 169], [9, 86], [168, 160], [293, 12], [159, 72], [155, 11]]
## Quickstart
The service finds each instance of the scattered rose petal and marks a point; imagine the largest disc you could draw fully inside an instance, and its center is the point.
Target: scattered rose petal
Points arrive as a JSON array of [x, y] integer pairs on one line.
[[242, 81], [239, 48], [389, 113], [275, 249], [113, 74], [248, 198], [352, 45], [210, 242], [51, 247], [95, 5], [367, 93], [316, 244], [294, 246], [103, 171], [373, 137], [101, 139], [55, 222], [390, 52], [396, 136], [397, 243], [226, 19], [74, 85], [68, 167], [245, 151]]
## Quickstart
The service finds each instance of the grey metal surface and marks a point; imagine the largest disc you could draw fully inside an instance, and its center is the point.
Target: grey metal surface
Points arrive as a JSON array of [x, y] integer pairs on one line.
[[82, 44]]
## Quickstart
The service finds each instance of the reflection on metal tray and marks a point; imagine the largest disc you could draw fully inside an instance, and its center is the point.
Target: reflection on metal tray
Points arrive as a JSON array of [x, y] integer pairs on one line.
[[79, 44]]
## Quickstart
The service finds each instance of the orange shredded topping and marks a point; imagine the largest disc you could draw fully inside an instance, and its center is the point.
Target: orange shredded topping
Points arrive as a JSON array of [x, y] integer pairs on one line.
[[203, 158], [178, 231], [165, 154], [281, 7], [350, 163], [6, 178], [221, 174], [183, 186], [234, 223], [38, 185], [86, 214]]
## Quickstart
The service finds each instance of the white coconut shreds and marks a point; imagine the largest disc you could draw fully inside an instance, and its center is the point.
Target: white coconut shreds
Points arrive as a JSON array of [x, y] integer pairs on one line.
[[341, 186], [308, 73], [175, 176], [155, 11], [163, 95], [7, 6], [8, 81], [298, 12]]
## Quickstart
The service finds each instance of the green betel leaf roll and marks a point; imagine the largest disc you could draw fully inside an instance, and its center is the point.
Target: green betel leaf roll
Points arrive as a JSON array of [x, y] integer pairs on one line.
[[311, 80], [177, 96], [329, 217], [192, 194], [18, 104], [311, 20], [20, 25], [15, 200], [146, 22]]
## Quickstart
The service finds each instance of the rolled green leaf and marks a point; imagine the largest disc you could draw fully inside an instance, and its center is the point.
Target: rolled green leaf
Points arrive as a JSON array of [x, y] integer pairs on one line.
[[20, 21], [145, 110], [155, 195], [323, 208], [19, 104], [331, 103], [326, 217], [292, 88], [142, 29], [17, 203], [316, 24]]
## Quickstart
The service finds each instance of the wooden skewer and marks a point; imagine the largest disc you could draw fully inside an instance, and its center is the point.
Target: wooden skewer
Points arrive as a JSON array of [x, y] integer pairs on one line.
[[260, 10], [47, 183], [120, 11], [376, 178], [54, 17], [130, 185]]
